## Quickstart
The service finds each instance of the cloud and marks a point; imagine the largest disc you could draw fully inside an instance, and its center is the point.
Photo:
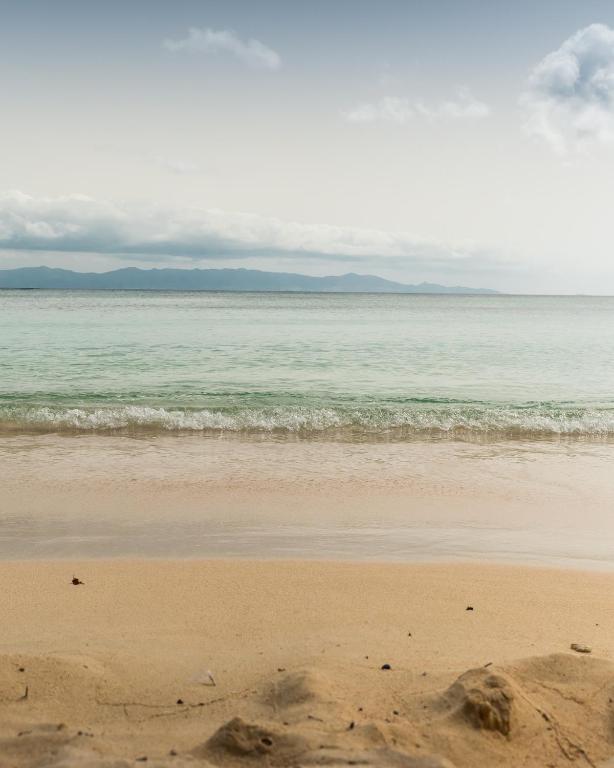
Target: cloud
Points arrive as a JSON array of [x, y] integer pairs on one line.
[[81, 224], [390, 109], [252, 52], [398, 109], [570, 98], [176, 165]]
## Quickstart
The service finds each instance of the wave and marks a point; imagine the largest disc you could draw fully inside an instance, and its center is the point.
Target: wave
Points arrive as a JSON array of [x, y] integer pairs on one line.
[[445, 419]]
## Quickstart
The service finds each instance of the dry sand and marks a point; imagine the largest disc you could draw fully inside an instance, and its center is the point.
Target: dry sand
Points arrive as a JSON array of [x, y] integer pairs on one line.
[[115, 670]]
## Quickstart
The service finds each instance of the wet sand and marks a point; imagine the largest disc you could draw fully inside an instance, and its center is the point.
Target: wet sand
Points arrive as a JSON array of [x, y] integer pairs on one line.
[[189, 496]]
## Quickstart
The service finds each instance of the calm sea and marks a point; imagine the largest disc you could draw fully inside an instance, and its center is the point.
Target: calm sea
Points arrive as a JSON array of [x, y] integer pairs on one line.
[[391, 366]]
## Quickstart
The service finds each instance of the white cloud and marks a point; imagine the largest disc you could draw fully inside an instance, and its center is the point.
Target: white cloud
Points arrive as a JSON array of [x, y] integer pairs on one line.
[[398, 109], [390, 109], [176, 165], [570, 98], [251, 52], [76, 223]]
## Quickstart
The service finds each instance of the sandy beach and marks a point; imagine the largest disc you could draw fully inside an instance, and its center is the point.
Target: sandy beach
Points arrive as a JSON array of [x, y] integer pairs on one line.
[[282, 602], [286, 663]]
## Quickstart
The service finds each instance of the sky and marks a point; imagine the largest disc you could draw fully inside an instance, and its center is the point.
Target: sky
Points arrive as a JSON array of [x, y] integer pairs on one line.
[[464, 142]]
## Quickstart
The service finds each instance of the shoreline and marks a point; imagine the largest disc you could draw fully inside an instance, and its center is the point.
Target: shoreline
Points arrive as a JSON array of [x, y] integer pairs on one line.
[[192, 498], [479, 424], [565, 566], [298, 650]]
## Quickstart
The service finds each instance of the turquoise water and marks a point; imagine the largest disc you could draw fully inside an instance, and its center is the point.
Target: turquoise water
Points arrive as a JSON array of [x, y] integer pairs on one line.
[[316, 364]]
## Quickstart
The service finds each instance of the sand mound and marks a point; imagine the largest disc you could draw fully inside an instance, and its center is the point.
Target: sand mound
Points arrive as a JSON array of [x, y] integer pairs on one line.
[[545, 711], [239, 743], [492, 701], [53, 746], [550, 711], [57, 684], [571, 671], [311, 695], [299, 688]]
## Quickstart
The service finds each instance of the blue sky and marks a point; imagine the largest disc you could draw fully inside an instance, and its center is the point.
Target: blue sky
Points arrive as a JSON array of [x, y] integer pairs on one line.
[[457, 142]]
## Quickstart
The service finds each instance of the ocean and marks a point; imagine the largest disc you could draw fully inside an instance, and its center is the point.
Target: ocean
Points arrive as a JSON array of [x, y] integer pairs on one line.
[[344, 366]]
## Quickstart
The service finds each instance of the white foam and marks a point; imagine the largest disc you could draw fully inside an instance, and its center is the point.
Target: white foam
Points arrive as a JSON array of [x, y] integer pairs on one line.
[[538, 420]]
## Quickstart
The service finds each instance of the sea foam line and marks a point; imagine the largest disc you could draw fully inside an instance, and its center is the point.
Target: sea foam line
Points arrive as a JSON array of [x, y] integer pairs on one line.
[[536, 420]]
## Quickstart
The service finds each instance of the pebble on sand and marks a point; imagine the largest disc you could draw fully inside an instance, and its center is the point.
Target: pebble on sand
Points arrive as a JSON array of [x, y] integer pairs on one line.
[[580, 648]]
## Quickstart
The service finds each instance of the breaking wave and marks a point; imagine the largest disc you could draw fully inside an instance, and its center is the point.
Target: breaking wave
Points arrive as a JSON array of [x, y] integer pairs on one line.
[[510, 421]]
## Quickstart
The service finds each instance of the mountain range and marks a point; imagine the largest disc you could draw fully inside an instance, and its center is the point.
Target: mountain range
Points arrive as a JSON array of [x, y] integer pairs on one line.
[[133, 278]]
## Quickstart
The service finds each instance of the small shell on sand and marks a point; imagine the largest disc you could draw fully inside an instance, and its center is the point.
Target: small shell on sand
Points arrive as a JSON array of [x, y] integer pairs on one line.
[[204, 678], [579, 648]]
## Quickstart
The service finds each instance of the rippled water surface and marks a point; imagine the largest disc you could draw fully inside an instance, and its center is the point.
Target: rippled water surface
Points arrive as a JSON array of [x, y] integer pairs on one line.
[[311, 364]]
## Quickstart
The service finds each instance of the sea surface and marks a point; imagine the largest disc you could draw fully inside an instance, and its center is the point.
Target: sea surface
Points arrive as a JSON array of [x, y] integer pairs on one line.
[[344, 366]]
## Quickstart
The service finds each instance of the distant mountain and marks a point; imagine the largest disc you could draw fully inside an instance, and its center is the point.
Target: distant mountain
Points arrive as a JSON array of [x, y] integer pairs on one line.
[[132, 278]]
